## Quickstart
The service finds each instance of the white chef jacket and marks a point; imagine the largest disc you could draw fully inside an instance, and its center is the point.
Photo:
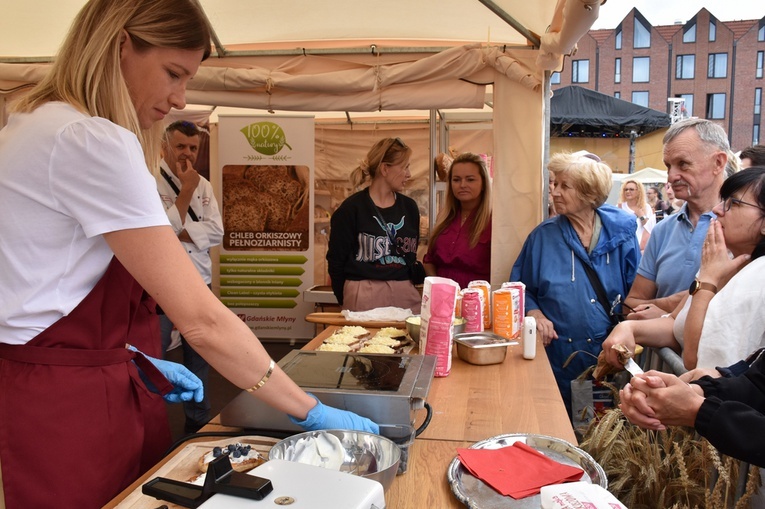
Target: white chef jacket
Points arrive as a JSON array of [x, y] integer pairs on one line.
[[206, 232]]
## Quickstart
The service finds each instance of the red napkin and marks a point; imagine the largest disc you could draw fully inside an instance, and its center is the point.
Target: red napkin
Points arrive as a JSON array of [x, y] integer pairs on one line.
[[516, 470]]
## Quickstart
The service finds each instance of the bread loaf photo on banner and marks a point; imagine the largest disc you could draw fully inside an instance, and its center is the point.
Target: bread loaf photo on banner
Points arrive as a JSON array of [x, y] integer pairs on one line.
[[266, 207]]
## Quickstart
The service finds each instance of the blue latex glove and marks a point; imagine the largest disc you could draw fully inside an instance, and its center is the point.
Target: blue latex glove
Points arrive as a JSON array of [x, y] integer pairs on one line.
[[186, 385], [327, 417]]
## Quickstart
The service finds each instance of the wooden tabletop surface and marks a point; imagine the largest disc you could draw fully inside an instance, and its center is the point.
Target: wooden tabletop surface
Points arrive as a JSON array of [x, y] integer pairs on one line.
[[473, 403]]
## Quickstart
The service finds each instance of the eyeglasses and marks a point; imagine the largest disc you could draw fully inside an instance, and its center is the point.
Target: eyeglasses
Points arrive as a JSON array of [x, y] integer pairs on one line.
[[728, 203], [184, 126], [589, 155], [397, 140], [616, 303], [393, 141], [629, 190]]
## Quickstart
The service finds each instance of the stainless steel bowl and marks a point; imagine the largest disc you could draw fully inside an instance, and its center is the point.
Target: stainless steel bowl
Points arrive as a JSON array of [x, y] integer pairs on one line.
[[413, 327], [481, 348], [356, 452]]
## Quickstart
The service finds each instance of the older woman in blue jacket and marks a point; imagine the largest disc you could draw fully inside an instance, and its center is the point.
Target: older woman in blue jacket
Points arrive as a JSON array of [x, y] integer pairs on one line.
[[570, 316]]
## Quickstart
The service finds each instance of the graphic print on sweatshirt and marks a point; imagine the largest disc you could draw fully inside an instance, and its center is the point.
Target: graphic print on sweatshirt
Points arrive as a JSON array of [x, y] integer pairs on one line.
[[377, 248]]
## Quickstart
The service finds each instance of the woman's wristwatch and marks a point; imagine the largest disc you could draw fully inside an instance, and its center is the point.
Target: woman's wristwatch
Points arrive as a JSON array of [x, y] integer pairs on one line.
[[701, 285]]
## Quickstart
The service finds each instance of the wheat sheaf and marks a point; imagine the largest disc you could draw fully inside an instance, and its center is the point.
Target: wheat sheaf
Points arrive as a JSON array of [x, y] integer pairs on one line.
[[674, 468]]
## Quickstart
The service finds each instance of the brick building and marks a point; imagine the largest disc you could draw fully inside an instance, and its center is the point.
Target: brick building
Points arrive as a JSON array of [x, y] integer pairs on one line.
[[715, 66]]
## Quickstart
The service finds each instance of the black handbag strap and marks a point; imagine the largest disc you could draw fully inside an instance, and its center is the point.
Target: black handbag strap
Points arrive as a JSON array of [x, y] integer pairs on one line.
[[164, 174], [600, 292]]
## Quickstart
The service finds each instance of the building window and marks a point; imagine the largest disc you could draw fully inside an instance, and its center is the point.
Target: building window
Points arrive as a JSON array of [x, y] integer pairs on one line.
[[618, 95], [640, 98], [715, 106], [690, 34], [642, 36], [685, 67], [712, 31], [761, 34], [757, 100], [555, 78], [641, 69], [687, 107], [760, 59], [618, 70], [580, 71], [756, 134], [618, 44], [718, 65]]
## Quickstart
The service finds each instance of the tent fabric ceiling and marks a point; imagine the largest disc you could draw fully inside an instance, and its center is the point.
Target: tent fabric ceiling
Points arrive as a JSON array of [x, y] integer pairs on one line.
[[35, 28], [575, 109], [405, 34]]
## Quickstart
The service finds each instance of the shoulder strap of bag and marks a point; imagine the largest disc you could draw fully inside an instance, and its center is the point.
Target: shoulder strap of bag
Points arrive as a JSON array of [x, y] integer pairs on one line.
[[600, 292], [177, 191]]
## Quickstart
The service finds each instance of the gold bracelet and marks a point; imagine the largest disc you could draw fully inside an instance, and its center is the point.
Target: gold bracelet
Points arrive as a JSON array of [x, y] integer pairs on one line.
[[264, 379]]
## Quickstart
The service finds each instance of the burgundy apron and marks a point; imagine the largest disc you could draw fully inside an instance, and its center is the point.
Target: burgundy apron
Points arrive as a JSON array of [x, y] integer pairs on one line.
[[77, 424]]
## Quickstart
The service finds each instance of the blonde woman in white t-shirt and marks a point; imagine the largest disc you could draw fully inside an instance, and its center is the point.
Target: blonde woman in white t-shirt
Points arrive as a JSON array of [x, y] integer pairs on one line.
[[85, 250], [632, 199]]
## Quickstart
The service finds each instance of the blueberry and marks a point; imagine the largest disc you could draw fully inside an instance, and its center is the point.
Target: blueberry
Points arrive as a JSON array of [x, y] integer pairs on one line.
[[236, 453], [217, 451]]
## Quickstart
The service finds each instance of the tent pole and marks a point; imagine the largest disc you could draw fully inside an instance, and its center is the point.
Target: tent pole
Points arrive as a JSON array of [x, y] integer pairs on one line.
[[528, 34], [633, 136], [431, 171]]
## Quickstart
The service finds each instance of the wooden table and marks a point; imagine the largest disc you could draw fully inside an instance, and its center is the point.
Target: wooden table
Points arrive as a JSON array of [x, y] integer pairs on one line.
[[471, 404]]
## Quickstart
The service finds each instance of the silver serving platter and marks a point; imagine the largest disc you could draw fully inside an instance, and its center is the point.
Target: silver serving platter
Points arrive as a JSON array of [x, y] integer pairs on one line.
[[474, 493]]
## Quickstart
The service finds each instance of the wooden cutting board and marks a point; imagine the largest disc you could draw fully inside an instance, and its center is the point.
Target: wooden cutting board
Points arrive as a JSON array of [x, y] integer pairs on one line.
[[337, 318], [184, 466]]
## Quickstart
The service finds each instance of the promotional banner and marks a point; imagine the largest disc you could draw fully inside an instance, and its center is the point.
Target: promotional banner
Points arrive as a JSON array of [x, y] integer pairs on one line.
[[266, 257]]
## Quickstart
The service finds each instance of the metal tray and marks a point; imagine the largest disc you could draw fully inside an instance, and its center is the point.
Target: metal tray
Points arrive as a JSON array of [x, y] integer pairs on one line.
[[483, 339], [474, 493]]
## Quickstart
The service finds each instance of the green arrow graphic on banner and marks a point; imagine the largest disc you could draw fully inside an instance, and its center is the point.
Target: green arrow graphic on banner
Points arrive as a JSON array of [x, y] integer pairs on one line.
[[258, 292], [287, 259], [260, 281], [250, 270], [259, 303]]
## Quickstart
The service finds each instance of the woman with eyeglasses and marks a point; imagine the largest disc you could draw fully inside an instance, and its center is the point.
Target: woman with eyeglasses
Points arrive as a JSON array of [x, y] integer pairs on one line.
[[587, 235], [374, 234], [632, 199], [460, 245], [86, 254], [721, 321]]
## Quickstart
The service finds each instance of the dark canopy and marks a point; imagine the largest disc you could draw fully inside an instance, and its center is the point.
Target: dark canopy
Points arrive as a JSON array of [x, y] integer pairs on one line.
[[577, 111]]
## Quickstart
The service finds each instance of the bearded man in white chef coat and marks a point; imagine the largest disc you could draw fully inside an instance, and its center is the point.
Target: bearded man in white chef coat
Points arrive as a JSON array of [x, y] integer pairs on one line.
[[194, 215]]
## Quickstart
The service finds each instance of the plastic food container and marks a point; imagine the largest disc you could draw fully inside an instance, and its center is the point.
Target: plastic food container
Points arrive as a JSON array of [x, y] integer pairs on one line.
[[482, 348]]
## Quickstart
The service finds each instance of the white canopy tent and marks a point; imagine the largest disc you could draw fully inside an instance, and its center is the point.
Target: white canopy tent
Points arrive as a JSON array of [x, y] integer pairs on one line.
[[361, 56]]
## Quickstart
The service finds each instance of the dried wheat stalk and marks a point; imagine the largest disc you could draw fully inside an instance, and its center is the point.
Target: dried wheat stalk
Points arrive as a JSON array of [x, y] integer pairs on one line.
[[673, 468]]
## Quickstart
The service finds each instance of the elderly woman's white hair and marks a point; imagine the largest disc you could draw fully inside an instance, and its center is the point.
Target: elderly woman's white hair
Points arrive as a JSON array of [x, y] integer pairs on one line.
[[591, 177]]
